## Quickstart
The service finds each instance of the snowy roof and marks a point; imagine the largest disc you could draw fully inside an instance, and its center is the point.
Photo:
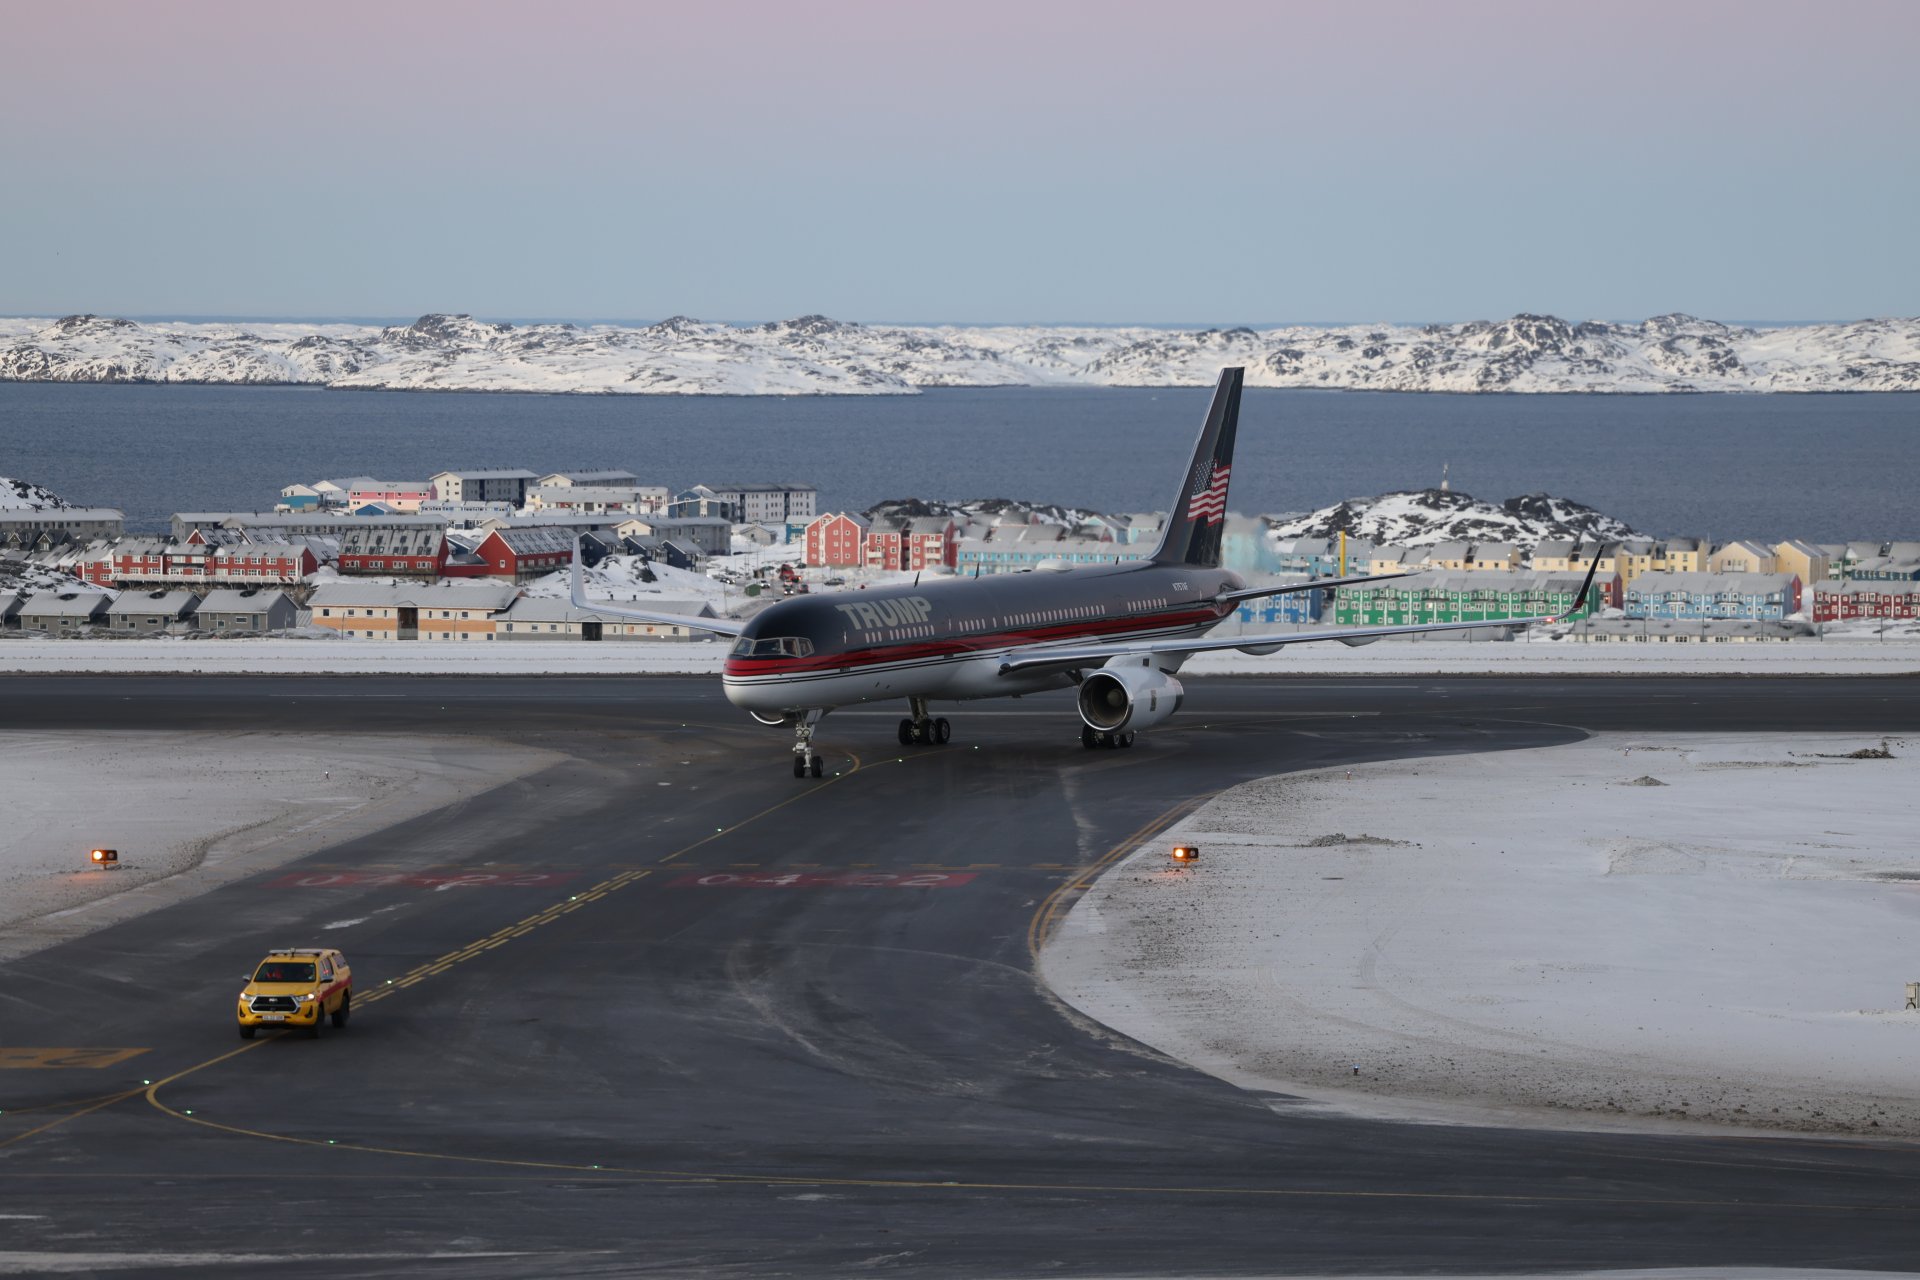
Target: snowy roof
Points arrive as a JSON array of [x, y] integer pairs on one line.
[[1653, 583], [535, 541], [759, 486], [529, 609], [589, 477], [514, 474], [67, 604], [1802, 548], [44, 515], [425, 595], [1855, 587], [227, 600], [174, 602], [586, 493]]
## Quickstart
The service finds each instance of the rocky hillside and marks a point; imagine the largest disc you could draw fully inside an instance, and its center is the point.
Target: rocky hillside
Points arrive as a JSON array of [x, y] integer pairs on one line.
[[814, 355], [1418, 518], [24, 495]]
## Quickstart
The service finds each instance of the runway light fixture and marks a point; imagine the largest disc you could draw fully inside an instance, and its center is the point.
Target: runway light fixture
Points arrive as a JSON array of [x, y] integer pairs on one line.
[[105, 857], [1186, 853]]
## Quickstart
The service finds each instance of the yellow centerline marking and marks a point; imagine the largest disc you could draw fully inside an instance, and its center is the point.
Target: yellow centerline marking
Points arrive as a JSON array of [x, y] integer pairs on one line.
[[1047, 915], [430, 968]]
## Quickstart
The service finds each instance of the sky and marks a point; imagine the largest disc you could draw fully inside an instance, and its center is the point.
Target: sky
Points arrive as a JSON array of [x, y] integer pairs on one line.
[[1046, 161]]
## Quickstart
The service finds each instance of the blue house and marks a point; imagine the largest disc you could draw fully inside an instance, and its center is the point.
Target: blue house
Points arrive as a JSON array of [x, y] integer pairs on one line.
[[1295, 606], [1701, 596]]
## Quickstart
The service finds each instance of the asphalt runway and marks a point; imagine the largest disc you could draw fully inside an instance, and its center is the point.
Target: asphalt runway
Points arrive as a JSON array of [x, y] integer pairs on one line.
[[688, 1015]]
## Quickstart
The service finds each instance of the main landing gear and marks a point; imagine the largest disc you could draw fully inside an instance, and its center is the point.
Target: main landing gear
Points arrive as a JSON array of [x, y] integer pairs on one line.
[[920, 729], [806, 761], [1091, 737]]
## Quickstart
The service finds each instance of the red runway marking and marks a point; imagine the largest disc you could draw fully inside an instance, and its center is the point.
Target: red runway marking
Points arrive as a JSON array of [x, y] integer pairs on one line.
[[840, 880], [422, 880]]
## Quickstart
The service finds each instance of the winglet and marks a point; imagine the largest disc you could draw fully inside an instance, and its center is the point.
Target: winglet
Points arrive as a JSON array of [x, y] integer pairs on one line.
[[1586, 586], [577, 577]]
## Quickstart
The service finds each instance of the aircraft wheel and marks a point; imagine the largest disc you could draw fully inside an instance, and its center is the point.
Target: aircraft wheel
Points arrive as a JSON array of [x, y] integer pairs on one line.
[[942, 731], [906, 733], [1126, 739], [1109, 740], [1087, 738], [816, 766], [799, 767]]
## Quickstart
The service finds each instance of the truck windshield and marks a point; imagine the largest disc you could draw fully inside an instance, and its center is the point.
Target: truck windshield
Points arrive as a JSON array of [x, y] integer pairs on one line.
[[284, 971], [773, 647]]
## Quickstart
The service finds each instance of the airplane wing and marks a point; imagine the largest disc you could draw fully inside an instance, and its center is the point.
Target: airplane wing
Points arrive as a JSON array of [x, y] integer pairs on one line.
[[1318, 584], [1067, 659], [578, 581]]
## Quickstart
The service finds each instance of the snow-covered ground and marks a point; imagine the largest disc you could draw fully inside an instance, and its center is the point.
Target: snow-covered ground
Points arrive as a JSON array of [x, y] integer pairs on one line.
[[814, 355], [191, 811], [338, 655], [1625, 931]]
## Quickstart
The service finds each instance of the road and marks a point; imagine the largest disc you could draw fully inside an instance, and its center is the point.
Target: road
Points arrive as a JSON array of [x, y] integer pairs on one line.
[[683, 1014]]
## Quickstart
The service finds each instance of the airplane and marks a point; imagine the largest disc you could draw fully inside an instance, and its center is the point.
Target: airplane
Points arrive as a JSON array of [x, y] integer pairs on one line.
[[1117, 632]]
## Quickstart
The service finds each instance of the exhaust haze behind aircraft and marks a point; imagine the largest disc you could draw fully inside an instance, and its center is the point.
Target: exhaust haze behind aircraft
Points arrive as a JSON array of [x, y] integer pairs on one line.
[[1116, 632]]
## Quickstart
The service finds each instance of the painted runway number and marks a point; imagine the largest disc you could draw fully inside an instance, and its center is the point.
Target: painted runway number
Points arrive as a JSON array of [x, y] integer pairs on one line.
[[832, 880], [52, 1059], [423, 880]]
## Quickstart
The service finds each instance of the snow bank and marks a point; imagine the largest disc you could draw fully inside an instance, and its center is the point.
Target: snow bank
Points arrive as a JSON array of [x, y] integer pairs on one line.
[[190, 811], [280, 656], [1680, 927]]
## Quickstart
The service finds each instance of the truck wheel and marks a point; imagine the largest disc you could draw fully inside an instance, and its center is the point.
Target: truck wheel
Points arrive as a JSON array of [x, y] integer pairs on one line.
[[345, 1010], [319, 1019], [246, 1032]]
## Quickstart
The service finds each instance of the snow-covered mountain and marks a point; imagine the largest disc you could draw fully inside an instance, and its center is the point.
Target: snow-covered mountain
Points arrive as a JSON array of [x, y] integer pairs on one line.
[[24, 495], [1420, 518], [814, 355]]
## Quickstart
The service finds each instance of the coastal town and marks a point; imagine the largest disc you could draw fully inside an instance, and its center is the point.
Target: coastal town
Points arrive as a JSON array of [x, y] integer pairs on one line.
[[480, 555]]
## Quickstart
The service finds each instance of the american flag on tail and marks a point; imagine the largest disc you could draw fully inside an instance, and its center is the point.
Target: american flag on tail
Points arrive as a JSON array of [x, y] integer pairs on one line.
[[1207, 500]]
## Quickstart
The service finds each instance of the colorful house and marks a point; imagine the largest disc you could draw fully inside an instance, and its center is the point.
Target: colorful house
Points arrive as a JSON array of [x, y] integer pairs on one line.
[[1712, 595]]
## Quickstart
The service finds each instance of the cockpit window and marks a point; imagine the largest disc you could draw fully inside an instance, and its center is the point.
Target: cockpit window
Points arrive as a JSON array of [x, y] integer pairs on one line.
[[773, 647]]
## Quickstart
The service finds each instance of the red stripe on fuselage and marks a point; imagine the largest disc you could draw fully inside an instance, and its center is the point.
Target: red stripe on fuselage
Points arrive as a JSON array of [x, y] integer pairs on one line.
[[973, 645]]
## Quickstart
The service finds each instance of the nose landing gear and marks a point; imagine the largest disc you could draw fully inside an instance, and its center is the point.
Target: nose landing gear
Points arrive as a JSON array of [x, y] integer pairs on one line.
[[921, 729], [806, 761]]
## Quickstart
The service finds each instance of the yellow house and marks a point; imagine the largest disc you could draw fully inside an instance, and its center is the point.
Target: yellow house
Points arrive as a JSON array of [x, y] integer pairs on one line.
[[1388, 559], [1742, 557], [1802, 559], [1684, 555], [1503, 557], [411, 610]]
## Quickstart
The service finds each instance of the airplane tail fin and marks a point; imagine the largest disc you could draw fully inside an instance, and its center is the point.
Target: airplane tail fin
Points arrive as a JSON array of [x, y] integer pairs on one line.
[[1199, 513]]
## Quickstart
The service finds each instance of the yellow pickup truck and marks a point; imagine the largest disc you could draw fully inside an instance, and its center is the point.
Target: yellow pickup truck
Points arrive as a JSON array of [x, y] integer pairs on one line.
[[296, 988]]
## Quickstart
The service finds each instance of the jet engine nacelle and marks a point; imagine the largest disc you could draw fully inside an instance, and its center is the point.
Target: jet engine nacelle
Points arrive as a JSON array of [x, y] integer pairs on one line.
[[1117, 698]]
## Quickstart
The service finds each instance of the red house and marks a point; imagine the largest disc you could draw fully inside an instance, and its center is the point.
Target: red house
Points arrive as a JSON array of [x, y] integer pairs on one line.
[[519, 554], [410, 553], [1842, 601], [836, 541], [912, 545]]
